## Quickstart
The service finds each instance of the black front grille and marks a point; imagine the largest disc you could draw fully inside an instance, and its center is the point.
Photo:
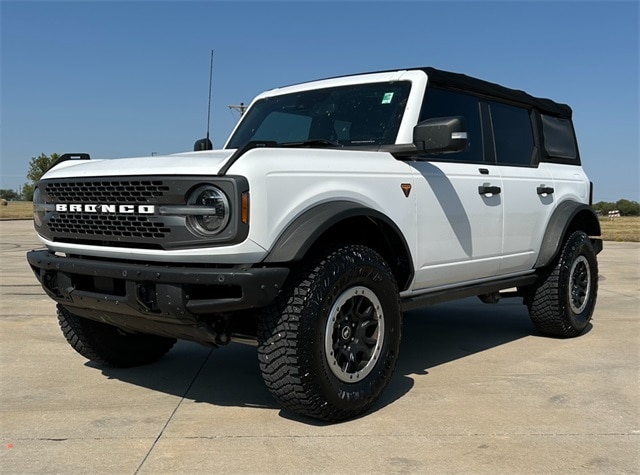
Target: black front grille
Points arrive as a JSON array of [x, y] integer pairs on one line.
[[106, 191], [115, 228], [107, 226], [128, 212]]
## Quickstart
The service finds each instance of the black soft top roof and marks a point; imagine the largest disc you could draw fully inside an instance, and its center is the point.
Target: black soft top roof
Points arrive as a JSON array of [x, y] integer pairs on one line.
[[468, 83]]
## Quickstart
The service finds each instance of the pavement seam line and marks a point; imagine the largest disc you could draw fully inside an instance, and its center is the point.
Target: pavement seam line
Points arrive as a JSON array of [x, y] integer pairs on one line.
[[175, 409]]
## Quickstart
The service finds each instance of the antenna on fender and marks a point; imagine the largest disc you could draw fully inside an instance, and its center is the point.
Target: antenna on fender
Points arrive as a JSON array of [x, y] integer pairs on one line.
[[205, 144]]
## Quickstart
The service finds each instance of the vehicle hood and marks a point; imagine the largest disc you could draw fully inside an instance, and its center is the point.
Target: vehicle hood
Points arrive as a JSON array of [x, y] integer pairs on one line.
[[190, 163]]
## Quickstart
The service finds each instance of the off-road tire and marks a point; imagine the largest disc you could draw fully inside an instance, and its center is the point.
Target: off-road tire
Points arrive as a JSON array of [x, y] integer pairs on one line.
[[561, 303], [328, 346], [108, 345]]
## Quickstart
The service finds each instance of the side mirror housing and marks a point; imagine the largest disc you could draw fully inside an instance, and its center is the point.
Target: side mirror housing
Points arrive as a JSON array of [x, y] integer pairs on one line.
[[202, 144], [441, 135]]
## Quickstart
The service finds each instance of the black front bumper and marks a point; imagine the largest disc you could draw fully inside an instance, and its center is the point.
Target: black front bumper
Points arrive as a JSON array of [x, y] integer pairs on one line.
[[165, 296]]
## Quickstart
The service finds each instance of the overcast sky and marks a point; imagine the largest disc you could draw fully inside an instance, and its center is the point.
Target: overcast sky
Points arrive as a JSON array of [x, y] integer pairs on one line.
[[118, 79]]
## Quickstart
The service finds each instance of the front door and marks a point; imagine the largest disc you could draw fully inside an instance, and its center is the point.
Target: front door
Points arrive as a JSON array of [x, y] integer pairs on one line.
[[459, 202], [459, 222]]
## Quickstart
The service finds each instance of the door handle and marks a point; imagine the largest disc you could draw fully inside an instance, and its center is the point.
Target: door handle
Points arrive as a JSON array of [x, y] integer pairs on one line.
[[487, 189], [545, 190]]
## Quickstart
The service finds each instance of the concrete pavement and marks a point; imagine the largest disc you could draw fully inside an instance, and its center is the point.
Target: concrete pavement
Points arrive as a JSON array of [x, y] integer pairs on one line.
[[476, 390]]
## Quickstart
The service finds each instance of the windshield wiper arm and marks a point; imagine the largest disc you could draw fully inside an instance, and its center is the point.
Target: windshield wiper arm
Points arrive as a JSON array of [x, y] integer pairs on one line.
[[312, 143], [271, 144], [244, 149]]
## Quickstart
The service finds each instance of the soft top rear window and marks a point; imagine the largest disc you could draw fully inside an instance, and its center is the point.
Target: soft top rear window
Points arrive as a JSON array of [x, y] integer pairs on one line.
[[355, 115], [559, 139]]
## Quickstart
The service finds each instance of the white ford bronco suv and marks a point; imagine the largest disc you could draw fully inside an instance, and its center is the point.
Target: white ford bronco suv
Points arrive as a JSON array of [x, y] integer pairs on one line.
[[334, 206]]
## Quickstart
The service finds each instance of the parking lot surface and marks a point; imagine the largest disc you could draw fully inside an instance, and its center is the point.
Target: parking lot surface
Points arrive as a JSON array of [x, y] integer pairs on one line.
[[477, 390]]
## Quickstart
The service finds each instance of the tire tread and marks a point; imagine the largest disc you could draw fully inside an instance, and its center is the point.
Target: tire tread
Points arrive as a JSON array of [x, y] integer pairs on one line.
[[280, 348], [109, 346], [547, 303]]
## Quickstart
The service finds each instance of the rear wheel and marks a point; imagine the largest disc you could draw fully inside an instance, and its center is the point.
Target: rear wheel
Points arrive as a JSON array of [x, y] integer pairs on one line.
[[563, 300], [328, 346], [109, 345]]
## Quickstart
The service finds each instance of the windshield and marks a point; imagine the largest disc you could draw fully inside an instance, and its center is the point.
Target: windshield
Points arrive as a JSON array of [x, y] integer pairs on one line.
[[356, 115]]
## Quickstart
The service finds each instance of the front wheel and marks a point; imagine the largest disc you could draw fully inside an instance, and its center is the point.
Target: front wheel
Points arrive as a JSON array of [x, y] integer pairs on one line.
[[108, 345], [328, 346], [563, 300]]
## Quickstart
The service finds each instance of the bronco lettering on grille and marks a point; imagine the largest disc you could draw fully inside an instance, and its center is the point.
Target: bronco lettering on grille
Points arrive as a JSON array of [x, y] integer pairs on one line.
[[106, 209]]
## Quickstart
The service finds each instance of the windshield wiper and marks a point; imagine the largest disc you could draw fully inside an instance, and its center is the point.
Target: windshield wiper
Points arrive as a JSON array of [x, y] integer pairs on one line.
[[312, 143]]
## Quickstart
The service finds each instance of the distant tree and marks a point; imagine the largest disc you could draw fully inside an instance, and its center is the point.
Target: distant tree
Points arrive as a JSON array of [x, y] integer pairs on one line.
[[603, 207], [37, 167], [8, 194], [628, 208], [27, 191]]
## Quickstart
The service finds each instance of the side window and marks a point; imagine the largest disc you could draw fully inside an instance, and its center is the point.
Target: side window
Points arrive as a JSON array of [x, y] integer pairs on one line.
[[512, 134], [559, 140], [443, 103]]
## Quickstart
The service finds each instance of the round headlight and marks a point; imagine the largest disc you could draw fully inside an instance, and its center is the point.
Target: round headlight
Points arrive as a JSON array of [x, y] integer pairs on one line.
[[209, 210], [38, 207]]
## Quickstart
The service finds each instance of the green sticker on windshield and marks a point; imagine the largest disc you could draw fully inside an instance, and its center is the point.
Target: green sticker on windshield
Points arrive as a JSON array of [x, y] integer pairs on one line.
[[387, 98]]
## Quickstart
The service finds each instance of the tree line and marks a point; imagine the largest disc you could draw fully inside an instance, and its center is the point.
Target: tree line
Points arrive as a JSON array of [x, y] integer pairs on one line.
[[40, 164], [625, 207], [37, 167]]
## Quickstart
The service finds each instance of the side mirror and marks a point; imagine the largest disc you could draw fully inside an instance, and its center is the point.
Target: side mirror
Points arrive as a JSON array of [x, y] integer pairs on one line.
[[202, 144], [442, 134]]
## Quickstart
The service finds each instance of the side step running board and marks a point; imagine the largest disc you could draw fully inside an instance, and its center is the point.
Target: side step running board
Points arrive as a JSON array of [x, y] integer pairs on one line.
[[440, 296]]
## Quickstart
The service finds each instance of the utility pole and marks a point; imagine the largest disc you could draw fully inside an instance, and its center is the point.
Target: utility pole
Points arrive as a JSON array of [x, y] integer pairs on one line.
[[240, 108]]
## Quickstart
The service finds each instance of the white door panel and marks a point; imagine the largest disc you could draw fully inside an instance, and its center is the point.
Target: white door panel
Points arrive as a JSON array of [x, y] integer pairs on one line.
[[527, 212], [570, 182], [459, 230]]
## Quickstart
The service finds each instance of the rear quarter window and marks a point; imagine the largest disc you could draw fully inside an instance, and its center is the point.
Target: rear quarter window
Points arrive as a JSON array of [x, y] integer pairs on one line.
[[559, 138]]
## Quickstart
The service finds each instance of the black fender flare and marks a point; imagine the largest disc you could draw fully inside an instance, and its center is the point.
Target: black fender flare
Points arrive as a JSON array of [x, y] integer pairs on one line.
[[568, 215], [304, 231]]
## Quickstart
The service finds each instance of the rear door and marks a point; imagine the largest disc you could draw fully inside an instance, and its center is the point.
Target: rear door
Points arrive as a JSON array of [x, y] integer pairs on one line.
[[528, 187]]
